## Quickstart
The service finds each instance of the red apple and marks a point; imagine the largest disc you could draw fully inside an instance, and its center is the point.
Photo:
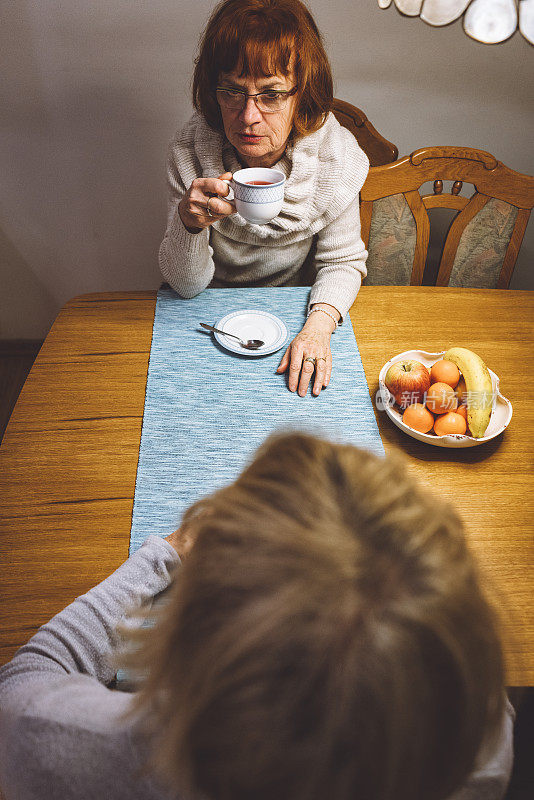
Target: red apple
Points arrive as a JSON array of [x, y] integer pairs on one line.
[[408, 381]]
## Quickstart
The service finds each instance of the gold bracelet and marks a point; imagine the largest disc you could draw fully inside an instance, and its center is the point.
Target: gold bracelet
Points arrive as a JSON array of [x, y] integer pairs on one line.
[[328, 314]]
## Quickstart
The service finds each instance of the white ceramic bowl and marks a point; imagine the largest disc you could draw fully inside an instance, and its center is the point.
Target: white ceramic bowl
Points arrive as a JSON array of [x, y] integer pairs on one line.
[[501, 413]]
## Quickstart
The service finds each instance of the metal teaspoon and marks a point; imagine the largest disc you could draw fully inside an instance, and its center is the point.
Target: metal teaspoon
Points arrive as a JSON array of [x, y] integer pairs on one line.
[[250, 344]]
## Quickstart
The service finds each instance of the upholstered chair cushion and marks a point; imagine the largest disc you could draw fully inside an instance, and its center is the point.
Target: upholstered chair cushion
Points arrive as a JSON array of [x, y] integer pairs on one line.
[[391, 242], [483, 245]]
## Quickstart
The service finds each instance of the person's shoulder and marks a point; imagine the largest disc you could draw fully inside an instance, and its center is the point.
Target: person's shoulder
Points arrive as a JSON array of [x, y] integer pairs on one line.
[[345, 144], [332, 143], [72, 731], [187, 134], [342, 158], [327, 170], [182, 155], [196, 148]]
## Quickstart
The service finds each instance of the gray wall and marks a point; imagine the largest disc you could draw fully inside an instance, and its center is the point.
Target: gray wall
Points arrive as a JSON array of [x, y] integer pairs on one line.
[[92, 90]]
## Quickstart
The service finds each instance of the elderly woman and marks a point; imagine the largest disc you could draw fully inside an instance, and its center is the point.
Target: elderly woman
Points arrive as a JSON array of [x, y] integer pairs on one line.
[[262, 89], [326, 637]]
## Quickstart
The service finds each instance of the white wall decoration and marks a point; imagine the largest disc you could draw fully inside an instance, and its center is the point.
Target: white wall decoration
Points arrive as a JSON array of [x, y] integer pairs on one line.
[[487, 21]]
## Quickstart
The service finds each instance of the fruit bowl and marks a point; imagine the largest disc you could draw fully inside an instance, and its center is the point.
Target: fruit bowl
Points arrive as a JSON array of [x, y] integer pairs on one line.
[[501, 413]]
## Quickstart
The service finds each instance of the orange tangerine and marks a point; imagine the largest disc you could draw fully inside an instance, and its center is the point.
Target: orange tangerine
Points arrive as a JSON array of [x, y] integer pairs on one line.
[[441, 398], [418, 417], [445, 372], [451, 422], [462, 410], [461, 392]]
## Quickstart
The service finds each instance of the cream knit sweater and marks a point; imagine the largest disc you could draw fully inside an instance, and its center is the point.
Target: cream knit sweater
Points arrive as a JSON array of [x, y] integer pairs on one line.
[[320, 217]]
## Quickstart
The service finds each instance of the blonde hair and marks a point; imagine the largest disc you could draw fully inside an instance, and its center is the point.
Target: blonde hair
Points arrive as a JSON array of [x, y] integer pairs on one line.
[[326, 637]]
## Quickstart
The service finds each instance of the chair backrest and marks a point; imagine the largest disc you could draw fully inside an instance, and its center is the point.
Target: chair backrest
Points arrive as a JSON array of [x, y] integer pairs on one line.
[[378, 150], [484, 238]]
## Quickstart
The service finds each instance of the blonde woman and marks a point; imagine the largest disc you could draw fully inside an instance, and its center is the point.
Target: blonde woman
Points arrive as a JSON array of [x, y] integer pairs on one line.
[[325, 635]]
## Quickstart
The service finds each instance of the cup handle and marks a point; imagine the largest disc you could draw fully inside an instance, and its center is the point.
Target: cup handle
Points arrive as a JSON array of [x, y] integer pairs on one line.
[[230, 195]]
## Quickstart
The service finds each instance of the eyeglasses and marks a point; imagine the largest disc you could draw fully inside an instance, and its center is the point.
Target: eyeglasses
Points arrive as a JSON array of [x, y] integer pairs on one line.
[[266, 102]]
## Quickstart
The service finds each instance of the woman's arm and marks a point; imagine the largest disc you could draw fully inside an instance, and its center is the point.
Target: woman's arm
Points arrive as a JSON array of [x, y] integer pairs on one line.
[[185, 259], [185, 255], [340, 260], [63, 732], [82, 637]]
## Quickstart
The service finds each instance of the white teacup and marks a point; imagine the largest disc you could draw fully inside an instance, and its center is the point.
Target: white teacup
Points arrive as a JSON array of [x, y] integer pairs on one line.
[[258, 193]]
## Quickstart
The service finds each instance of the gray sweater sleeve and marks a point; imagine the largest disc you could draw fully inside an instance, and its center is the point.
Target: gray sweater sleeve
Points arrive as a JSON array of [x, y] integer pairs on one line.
[[64, 735], [82, 637]]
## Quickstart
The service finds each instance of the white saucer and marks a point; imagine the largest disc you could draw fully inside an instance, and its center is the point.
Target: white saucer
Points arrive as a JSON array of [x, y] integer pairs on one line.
[[252, 324]]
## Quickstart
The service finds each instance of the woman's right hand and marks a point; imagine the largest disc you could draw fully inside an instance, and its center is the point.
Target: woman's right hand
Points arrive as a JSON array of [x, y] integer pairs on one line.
[[193, 207]]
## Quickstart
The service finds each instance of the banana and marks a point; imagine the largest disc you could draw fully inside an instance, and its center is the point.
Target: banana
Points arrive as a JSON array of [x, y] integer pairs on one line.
[[478, 385]]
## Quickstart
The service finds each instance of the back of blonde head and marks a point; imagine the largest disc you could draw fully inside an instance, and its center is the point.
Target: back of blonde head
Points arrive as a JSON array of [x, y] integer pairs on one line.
[[326, 638]]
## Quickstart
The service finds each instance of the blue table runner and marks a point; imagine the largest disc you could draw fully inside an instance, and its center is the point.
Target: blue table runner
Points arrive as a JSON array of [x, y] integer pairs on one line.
[[207, 409]]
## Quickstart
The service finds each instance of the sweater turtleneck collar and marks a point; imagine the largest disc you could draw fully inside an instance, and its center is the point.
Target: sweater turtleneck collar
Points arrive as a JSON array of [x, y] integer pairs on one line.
[[324, 172]]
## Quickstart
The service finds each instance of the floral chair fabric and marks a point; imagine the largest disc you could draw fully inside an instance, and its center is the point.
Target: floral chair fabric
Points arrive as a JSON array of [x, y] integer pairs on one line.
[[483, 245], [391, 242]]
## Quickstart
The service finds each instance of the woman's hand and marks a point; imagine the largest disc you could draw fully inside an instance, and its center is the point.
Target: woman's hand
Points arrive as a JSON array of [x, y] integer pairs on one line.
[[203, 203], [309, 351], [182, 540]]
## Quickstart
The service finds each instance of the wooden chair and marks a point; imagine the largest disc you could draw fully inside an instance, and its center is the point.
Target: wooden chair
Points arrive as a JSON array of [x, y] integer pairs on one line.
[[378, 150], [484, 238]]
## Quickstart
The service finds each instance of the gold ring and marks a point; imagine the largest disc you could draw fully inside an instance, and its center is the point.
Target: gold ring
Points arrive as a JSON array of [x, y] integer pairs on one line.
[[320, 358], [309, 358], [208, 207]]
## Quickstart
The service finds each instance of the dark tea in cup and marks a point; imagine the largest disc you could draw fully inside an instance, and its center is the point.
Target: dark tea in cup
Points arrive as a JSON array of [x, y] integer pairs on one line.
[[259, 183]]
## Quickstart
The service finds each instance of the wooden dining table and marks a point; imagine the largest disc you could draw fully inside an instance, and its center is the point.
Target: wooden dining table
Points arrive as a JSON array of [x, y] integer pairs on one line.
[[69, 455]]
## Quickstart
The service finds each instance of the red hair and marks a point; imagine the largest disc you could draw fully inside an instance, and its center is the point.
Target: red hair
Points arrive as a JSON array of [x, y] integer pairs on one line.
[[259, 38]]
